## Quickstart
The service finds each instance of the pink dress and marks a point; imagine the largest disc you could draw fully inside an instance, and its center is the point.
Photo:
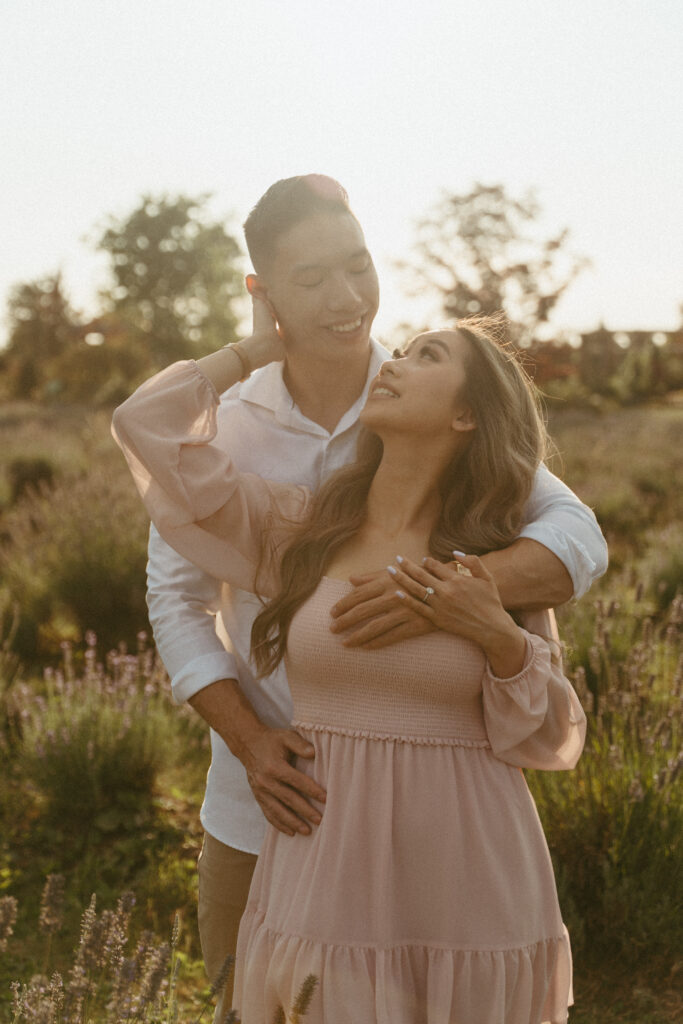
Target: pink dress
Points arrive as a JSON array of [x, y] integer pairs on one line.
[[426, 895]]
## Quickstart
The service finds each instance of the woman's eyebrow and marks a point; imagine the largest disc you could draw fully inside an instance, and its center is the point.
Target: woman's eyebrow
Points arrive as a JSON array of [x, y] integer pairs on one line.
[[428, 341]]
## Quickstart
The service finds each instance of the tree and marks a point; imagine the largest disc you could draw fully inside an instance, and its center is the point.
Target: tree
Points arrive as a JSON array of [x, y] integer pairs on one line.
[[176, 276], [480, 253], [42, 327]]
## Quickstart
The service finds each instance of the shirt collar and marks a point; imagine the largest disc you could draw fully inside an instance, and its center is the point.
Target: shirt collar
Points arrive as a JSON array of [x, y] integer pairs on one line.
[[266, 387]]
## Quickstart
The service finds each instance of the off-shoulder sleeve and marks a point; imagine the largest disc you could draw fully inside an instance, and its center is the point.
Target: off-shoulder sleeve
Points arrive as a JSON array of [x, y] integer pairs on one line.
[[230, 524], [534, 719]]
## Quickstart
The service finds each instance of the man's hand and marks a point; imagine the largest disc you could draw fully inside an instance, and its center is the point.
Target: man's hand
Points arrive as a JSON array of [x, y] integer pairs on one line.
[[373, 616], [282, 791]]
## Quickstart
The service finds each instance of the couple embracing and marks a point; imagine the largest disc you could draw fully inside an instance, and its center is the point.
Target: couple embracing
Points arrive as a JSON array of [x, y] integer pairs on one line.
[[379, 540]]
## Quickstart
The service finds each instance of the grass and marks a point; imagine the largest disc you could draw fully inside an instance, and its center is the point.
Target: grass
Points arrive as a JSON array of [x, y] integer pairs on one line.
[[611, 824]]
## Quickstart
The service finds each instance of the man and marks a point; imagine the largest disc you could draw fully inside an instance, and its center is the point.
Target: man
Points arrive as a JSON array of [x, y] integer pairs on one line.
[[297, 421]]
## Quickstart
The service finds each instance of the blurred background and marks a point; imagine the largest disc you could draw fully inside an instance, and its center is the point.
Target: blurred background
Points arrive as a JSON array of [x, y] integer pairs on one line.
[[515, 155]]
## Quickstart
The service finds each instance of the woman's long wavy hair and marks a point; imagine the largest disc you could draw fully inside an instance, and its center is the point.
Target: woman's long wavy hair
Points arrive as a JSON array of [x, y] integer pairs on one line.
[[483, 490]]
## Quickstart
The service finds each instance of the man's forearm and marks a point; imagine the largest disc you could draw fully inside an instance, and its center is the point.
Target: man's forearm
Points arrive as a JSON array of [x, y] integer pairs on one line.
[[529, 576], [225, 708]]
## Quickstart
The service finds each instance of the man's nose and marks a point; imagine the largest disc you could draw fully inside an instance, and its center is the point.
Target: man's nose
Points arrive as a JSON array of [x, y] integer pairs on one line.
[[343, 294]]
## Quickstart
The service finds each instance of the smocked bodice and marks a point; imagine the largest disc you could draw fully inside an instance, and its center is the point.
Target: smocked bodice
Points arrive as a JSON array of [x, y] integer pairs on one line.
[[427, 689]]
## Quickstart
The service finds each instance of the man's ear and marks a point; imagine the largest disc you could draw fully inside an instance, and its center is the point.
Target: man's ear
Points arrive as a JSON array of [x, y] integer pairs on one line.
[[463, 419], [256, 287]]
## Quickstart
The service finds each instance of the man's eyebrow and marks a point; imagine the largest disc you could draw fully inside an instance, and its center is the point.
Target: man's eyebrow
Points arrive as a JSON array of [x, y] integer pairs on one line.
[[301, 268]]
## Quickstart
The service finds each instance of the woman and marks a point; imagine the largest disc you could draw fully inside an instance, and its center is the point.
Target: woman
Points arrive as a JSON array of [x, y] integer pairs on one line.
[[426, 894]]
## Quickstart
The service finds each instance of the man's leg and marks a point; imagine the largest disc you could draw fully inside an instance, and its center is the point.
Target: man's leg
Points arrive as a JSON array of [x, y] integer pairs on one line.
[[224, 880]]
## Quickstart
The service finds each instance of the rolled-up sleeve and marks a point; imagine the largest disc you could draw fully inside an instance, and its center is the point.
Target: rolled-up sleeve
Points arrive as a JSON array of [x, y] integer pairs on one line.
[[556, 518], [182, 601]]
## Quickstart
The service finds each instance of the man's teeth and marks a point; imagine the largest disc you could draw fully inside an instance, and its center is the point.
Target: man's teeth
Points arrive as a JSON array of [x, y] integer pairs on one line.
[[385, 391], [346, 328]]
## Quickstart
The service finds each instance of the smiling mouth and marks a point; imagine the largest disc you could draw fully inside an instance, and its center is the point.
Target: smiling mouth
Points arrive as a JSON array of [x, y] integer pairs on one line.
[[348, 328], [381, 390]]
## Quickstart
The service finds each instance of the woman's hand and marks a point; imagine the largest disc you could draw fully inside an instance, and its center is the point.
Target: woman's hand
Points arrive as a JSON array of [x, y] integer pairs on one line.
[[265, 343], [233, 362], [463, 599]]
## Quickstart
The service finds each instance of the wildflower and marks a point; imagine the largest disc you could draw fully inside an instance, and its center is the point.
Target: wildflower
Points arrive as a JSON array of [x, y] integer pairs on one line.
[[303, 999], [152, 982], [636, 793], [52, 905], [8, 916], [221, 978]]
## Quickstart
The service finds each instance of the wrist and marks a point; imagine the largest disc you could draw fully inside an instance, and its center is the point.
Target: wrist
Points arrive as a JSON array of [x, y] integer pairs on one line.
[[258, 350], [506, 650]]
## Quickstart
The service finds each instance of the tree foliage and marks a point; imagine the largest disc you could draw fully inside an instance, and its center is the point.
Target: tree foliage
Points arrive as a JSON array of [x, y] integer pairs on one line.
[[481, 252], [175, 277], [43, 326]]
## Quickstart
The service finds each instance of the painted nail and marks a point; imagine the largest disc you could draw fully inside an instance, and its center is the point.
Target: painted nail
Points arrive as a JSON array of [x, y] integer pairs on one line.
[[460, 554], [399, 593], [392, 570], [399, 559]]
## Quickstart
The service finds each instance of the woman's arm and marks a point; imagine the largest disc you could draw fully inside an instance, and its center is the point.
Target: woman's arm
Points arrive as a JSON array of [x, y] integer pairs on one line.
[[533, 716], [201, 505]]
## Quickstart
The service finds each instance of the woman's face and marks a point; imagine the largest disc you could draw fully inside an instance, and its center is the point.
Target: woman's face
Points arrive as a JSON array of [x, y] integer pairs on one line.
[[421, 391]]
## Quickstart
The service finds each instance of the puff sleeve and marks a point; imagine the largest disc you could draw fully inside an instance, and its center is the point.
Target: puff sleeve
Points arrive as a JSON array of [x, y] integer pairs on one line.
[[230, 524], [535, 719]]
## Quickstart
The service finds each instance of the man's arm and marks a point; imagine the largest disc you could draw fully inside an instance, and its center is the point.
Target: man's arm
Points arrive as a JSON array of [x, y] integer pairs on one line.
[[560, 553], [559, 520], [182, 601]]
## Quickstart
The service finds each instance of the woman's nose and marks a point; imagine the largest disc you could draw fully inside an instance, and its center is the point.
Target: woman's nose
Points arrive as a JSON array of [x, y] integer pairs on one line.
[[388, 369]]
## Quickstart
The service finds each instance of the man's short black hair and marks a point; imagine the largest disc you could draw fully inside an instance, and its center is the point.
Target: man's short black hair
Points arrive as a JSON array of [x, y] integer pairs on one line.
[[284, 205]]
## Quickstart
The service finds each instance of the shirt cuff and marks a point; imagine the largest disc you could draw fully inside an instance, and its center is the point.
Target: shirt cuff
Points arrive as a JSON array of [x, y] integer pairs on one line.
[[201, 672]]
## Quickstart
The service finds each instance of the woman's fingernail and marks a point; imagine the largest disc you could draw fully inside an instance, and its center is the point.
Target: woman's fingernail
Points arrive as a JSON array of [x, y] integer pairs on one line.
[[460, 554], [392, 570], [399, 593], [399, 559]]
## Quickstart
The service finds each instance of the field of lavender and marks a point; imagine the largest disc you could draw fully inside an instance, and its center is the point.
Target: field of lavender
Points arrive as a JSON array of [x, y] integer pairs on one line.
[[103, 775]]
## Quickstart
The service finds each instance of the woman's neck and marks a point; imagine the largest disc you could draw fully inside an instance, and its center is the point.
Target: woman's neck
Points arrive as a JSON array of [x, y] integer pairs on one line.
[[404, 495]]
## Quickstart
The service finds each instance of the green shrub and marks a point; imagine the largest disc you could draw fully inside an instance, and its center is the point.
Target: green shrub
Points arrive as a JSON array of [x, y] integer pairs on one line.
[[615, 824], [74, 559], [27, 473], [94, 743]]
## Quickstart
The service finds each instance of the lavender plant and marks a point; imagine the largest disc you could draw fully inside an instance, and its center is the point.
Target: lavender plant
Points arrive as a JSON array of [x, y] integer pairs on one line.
[[110, 983], [615, 824], [95, 740]]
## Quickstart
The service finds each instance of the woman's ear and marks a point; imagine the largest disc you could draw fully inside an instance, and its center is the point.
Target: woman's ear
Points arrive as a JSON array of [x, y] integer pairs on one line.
[[463, 419]]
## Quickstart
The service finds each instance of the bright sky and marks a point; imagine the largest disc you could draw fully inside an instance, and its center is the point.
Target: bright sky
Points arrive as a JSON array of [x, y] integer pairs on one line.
[[103, 100]]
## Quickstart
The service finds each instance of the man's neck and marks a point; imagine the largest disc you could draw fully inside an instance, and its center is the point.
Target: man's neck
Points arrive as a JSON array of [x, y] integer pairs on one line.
[[324, 392]]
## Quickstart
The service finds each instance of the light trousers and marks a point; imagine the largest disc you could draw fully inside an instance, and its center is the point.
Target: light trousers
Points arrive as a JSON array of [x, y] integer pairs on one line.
[[224, 880]]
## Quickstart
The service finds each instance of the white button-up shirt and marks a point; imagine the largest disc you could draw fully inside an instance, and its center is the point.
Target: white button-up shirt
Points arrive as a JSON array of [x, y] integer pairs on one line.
[[202, 628]]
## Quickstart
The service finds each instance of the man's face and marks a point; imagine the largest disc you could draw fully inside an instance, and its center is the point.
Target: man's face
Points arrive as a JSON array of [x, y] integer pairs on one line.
[[322, 287]]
